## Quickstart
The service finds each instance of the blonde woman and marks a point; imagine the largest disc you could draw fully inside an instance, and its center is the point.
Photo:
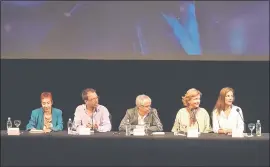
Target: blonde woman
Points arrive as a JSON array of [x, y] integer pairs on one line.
[[227, 116], [192, 116]]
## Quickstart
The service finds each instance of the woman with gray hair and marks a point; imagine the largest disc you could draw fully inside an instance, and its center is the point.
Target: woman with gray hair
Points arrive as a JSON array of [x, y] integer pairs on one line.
[[141, 114]]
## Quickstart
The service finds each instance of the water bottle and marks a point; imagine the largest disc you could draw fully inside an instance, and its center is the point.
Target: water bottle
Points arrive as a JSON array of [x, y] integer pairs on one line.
[[9, 123], [258, 128], [69, 125], [128, 127]]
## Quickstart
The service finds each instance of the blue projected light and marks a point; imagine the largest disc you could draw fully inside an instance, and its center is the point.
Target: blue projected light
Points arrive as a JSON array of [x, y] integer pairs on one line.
[[188, 34], [156, 30], [141, 41], [237, 38]]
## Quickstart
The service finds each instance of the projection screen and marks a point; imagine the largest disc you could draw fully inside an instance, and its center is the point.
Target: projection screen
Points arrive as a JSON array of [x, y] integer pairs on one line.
[[135, 30]]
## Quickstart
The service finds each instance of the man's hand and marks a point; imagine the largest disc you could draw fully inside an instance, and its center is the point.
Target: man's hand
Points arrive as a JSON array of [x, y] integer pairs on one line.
[[96, 126], [90, 126]]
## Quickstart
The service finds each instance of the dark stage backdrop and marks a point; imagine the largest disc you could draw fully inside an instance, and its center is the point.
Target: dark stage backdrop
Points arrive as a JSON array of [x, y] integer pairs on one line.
[[119, 82]]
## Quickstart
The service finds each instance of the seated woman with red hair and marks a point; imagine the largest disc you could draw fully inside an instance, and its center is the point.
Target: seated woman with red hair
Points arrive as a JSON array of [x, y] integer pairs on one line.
[[227, 116], [46, 118]]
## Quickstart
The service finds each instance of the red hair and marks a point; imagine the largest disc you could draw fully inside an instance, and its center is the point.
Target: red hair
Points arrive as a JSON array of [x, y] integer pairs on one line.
[[220, 104], [46, 95]]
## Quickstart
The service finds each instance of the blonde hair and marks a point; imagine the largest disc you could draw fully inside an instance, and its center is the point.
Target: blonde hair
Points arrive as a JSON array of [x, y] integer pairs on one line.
[[220, 104], [189, 95]]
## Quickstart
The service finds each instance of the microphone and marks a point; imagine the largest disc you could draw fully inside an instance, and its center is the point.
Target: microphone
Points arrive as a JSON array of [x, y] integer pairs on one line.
[[92, 128], [193, 111], [238, 110], [152, 113], [95, 110]]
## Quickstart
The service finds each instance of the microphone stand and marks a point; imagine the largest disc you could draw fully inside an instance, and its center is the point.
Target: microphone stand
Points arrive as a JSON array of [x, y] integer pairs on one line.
[[92, 127], [156, 118], [238, 110]]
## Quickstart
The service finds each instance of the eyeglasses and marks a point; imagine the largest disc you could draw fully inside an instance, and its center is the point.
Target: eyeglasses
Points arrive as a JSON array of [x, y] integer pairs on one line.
[[146, 106], [95, 98]]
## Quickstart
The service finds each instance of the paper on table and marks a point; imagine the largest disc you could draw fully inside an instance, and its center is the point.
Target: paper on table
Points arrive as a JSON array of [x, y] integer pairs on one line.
[[36, 131], [237, 133], [193, 132], [158, 133], [13, 131]]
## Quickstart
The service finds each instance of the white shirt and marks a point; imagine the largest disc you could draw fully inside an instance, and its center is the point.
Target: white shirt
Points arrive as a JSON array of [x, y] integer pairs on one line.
[[100, 117], [141, 119], [234, 120]]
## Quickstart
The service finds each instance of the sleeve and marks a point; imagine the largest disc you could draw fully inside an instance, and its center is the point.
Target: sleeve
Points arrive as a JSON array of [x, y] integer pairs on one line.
[[105, 124], [156, 124], [215, 121], [124, 120], [207, 128], [240, 121], [59, 123], [32, 122], [176, 124], [77, 118]]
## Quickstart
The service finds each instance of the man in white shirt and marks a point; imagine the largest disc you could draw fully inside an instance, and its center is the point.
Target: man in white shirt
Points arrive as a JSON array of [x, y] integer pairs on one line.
[[91, 114]]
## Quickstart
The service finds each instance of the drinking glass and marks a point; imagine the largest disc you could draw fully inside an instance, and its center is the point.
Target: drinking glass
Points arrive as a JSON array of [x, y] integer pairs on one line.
[[175, 133], [17, 123], [146, 127], [251, 127], [184, 127]]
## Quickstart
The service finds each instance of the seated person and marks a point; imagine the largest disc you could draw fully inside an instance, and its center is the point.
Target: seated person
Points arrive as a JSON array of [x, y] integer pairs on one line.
[[46, 118], [192, 116], [227, 116], [91, 114], [142, 113]]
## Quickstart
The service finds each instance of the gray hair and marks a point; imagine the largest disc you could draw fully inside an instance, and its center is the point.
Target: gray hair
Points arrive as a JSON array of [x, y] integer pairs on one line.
[[141, 99]]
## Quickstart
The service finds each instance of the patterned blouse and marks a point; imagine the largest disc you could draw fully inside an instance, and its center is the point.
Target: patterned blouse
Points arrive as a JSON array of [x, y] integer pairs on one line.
[[47, 122]]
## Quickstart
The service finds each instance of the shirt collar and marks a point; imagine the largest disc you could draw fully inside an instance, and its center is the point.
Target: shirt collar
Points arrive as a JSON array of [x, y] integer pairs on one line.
[[96, 110], [43, 110], [232, 110]]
